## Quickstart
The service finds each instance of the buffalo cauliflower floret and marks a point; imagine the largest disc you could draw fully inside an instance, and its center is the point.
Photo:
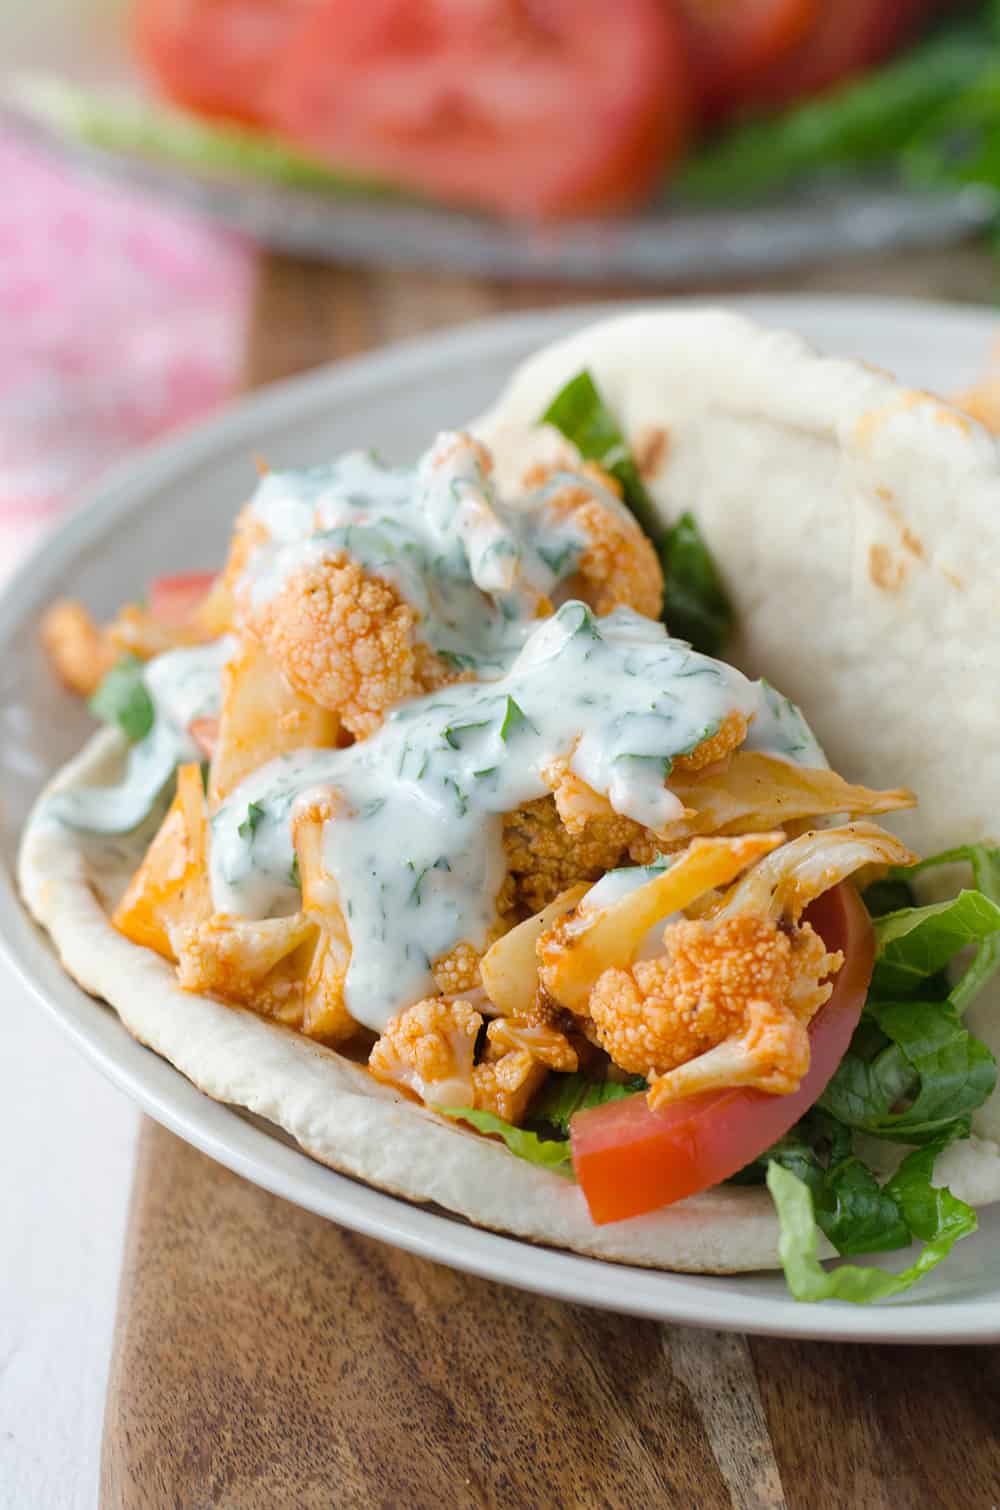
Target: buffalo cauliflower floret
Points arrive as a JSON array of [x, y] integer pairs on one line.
[[618, 567], [346, 640], [505, 1086], [79, 651], [515, 1064], [730, 734], [429, 1050], [545, 859], [457, 972], [743, 983]]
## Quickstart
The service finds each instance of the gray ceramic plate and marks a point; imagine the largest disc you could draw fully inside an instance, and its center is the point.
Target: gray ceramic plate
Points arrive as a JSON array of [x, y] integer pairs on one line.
[[84, 41], [170, 509]]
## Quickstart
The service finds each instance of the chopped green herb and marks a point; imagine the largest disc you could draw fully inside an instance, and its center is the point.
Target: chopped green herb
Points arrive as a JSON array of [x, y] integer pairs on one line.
[[514, 718], [123, 699], [296, 880], [458, 734], [248, 827]]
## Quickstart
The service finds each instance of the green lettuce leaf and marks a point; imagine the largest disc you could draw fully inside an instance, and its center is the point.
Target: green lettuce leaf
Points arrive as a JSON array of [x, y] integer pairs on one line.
[[122, 699], [123, 124], [984, 861], [850, 1208], [579, 413], [920, 1073], [565, 1095], [918, 942], [933, 1215], [547, 1153], [695, 604]]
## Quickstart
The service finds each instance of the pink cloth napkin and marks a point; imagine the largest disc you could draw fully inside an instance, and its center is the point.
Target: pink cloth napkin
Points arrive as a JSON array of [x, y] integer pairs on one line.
[[118, 320]]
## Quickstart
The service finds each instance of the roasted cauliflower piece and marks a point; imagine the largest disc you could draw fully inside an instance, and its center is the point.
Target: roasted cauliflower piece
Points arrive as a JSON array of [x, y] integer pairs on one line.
[[291, 969], [743, 979], [346, 640], [509, 969], [220, 611], [80, 652], [783, 884], [256, 963], [730, 734], [545, 859], [429, 1050], [169, 893], [618, 567], [515, 1064], [586, 942], [457, 972], [262, 716]]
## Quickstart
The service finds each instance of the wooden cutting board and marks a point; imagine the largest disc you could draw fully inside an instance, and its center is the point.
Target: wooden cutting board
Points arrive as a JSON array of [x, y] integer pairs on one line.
[[267, 1359]]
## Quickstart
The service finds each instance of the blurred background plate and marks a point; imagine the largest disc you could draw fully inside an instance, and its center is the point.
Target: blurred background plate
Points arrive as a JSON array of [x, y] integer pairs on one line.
[[86, 44]]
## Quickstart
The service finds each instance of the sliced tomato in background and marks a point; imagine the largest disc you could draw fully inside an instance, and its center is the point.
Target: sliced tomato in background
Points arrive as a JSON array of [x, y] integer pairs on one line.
[[216, 56], [176, 599], [527, 107], [731, 41], [630, 1160], [848, 37]]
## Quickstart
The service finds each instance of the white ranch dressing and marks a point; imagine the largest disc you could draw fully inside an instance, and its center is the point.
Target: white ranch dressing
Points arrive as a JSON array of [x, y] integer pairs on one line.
[[472, 563], [183, 685], [415, 846]]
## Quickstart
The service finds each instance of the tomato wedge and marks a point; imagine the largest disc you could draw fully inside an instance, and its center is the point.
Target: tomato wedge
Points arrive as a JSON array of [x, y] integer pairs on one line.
[[846, 39], [215, 55], [175, 600], [531, 108], [630, 1160], [732, 41]]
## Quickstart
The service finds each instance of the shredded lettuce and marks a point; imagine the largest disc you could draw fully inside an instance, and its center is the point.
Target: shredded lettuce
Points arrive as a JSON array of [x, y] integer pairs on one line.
[[918, 942], [933, 1215], [913, 1075], [547, 1153], [565, 1095], [123, 699], [695, 604]]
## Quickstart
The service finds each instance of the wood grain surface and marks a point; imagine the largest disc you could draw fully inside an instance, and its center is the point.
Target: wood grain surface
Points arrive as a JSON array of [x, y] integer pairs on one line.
[[266, 1359]]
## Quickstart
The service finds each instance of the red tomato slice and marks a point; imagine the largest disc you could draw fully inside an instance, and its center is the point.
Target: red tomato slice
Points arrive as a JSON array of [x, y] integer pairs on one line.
[[526, 107], [731, 41], [215, 56], [847, 38], [175, 600], [205, 733], [630, 1160]]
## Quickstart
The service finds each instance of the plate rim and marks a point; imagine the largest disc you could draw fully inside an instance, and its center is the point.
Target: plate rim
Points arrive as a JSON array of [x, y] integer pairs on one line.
[[225, 1133]]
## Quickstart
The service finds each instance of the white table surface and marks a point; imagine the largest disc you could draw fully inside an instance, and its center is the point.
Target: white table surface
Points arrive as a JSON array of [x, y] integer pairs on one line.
[[68, 1144]]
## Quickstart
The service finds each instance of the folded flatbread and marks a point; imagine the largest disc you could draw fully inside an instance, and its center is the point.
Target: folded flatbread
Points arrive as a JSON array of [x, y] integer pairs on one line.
[[857, 524]]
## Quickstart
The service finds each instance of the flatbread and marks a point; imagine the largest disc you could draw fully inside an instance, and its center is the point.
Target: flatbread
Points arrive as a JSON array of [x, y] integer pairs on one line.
[[851, 519]]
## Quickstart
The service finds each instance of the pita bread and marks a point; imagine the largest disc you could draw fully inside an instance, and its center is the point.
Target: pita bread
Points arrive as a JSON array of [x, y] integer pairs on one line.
[[850, 518]]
